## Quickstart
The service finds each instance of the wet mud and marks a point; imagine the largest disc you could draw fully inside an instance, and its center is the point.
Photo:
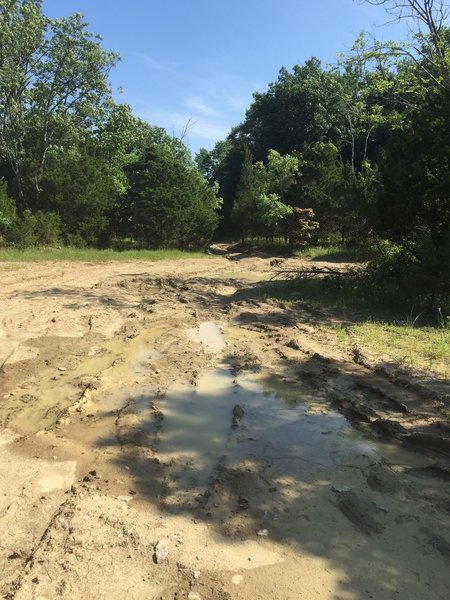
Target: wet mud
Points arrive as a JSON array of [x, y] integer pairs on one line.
[[198, 436]]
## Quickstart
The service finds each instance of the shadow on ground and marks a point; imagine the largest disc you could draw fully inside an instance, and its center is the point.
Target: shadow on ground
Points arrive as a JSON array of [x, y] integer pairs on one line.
[[344, 484]]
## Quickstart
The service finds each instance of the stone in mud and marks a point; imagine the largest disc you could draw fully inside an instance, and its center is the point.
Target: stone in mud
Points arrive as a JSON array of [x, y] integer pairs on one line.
[[380, 505], [243, 503], [262, 533], [340, 489], [238, 413], [161, 551], [359, 512], [293, 344]]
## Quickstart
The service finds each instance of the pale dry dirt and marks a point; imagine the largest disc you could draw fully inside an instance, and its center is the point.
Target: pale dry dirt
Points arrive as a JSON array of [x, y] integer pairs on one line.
[[175, 430]]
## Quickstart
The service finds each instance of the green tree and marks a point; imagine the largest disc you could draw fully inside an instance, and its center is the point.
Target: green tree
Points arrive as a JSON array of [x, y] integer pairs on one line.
[[430, 46], [414, 199], [169, 203], [223, 165], [299, 107], [245, 204], [53, 84]]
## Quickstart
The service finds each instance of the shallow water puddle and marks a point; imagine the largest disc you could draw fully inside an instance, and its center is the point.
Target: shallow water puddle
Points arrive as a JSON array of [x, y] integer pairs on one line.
[[198, 421], [119, 361], [210, 335], [226, 418]]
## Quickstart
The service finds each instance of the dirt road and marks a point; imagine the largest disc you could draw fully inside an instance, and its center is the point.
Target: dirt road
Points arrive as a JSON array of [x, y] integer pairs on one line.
[[177, 430]]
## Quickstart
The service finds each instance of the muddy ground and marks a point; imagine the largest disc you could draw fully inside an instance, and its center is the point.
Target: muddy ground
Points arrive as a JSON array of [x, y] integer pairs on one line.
[[178, 430]]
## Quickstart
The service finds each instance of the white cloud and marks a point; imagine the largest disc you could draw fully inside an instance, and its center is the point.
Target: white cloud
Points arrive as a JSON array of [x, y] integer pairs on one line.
[[208, 103], [200, 130], [212, 132], [198, 105]]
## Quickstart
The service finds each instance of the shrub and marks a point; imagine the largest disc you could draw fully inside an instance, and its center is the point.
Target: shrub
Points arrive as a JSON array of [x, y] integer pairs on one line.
[[39, 229], [8, 215]]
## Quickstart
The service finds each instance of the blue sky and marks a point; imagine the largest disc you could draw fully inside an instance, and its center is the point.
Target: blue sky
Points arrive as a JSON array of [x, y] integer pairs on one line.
[[201, 60]]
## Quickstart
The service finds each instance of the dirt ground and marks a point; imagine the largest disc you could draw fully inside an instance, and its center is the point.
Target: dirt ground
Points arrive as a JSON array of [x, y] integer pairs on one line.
[[174, 430]]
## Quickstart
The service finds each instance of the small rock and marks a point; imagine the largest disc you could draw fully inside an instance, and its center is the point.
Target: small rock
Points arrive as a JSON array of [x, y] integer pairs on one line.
[[161, 551], [125, 498], [340, 489], [236, 579], [194, 596], [197, 574], [293, 344], [381, 506], [243, 503], [62, 369], [262, 533]]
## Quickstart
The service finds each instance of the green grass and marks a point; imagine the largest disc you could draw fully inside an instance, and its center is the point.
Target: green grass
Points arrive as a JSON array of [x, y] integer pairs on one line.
[[92, 255], [345, 294], [330, 253], [424, 348], [372, 314], [334, 253]]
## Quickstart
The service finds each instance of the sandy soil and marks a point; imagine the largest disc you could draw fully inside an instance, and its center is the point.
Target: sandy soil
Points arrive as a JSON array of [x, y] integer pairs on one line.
[[171, 430]]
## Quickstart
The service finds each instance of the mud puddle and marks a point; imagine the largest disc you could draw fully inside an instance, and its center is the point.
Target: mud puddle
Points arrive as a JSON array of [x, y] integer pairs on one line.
[[210, 335], [60, 391], [224, 418]]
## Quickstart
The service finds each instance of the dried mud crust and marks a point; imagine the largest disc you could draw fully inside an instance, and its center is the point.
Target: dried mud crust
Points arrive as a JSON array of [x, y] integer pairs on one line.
[[86, 494]]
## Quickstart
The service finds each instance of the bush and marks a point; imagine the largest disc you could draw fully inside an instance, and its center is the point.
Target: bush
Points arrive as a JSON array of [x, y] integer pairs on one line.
[[39, 229], [8, 215]]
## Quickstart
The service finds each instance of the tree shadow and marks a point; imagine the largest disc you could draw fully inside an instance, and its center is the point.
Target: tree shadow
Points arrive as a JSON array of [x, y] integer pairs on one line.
[[328, 484]]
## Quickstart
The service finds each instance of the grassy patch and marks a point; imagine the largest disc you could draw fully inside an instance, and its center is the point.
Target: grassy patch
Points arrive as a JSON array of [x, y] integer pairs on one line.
[[373, 316], [331, 253], [92, 255], [346, 294], [424, 348]]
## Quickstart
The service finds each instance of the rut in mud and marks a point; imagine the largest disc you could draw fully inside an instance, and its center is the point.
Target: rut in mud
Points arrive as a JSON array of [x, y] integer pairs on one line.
[[198, 435]]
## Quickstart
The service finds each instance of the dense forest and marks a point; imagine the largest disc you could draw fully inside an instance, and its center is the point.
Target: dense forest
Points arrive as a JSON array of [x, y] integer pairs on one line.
[[356, 153]]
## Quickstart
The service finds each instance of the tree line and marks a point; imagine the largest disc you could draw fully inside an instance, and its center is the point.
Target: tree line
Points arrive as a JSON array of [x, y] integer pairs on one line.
[[76, 167], [357, 152]]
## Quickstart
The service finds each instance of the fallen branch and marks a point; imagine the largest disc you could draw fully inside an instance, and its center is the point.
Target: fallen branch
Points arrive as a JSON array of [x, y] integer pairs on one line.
[[312, 272]]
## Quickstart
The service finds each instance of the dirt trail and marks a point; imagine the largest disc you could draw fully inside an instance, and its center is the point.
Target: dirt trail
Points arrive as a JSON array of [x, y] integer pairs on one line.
[[174, 430]]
